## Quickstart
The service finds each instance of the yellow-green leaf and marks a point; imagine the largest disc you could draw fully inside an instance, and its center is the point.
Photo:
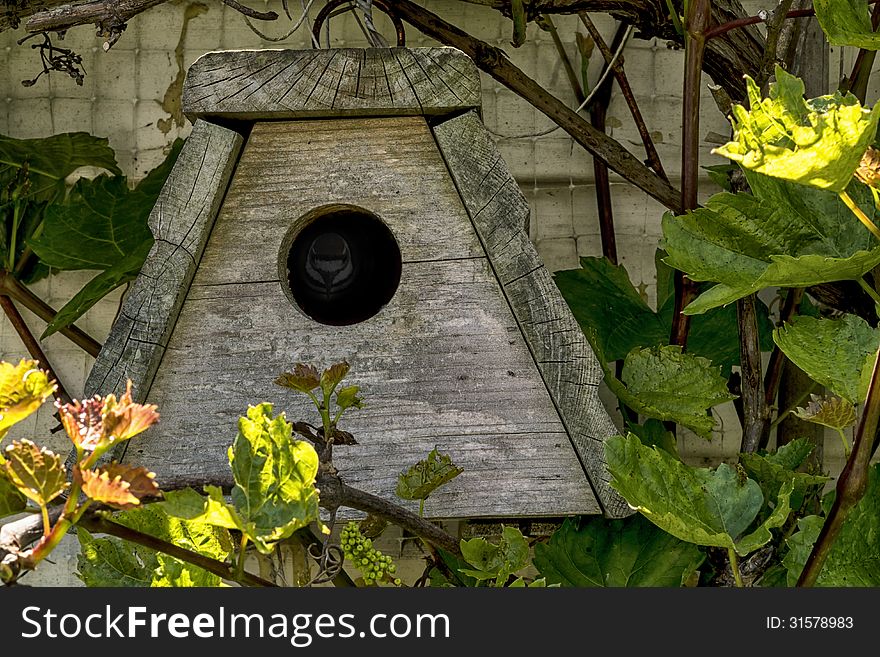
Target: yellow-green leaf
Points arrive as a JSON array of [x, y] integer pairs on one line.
[[847, 23], [23, 389], [423, 478], [818, 143], [831, 412], [36, 471]]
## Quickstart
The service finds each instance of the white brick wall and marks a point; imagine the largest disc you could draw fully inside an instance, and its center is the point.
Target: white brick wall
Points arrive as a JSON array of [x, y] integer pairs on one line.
[[121, 99]]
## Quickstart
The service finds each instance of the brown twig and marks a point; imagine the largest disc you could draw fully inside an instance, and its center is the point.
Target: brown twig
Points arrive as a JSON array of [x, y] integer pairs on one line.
[[756, 414], [14, 289], [626, 91], [251, 13], [774, 26], [32, 345], [696, 22], [851, 484], [777, 358], [98, 524], [494, 61]]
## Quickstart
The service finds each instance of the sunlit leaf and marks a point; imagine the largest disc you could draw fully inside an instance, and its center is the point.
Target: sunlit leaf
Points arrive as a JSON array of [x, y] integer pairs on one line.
[[854, 558], [332, 376], [831, 412], [816, 142], [423, 478], [36, 471], [837, 353], [113, 562], [98, 423], [697, 505], [119, 485], [615, 553], [496, 562], [211, 508], [786, 235], [304, 378], [847, 23], [23, 389]]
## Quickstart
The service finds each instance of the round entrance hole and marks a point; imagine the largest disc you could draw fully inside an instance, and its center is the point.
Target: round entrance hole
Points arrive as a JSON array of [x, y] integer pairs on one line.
[[342, 265]]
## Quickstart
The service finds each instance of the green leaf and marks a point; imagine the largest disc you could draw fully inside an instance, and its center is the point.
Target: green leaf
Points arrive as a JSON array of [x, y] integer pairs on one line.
[[348, 397], [11, 499], [819, 142], [792, 455], [426, 476], [113, 562], [100, 286], [854, 559], [652, 433], [211, 509], [831, 412], [787, 235], [49, 160], [110, 562], [837, 353], [698, 505], [274, 491], [666, 384], [36, 471], [23, 389], [847, 23], [602, 297], [496, 562], [585, 47], [518, 15], [772, 473], [613, 553]]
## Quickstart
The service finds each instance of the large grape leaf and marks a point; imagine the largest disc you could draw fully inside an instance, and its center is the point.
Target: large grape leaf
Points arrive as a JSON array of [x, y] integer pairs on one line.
[[114, 562], [666, 384], [697, 505], [787, 235], [838, 353], [847, 23], [614, 553], [274, 493], [817, 142], [854, 559], [602, 297], [49, 160], [496, 562], [102, 226]]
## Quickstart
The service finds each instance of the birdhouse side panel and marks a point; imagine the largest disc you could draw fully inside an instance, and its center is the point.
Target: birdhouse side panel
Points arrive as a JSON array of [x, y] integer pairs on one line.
[[442, 365]]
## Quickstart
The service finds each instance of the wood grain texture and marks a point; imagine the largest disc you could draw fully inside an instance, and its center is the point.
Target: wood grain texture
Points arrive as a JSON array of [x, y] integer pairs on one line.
[[277, 84], [567, 363], [181, 221], [443, 364]]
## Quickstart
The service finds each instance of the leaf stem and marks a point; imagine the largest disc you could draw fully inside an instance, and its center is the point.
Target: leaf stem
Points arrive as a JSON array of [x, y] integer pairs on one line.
[[860, 215], [800, 400], [734, 566], [867, 287], [843, 440], [47, 526], [239, 565]]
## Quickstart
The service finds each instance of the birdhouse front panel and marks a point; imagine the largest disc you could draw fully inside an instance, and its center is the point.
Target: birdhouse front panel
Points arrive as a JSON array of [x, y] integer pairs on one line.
[[392, 242]]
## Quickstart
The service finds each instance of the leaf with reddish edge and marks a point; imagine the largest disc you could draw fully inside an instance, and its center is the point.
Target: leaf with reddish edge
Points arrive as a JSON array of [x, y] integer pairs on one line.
[[36, 471], [23, 389], [304, 378], [97, 423], [118, 485], [331, 377]]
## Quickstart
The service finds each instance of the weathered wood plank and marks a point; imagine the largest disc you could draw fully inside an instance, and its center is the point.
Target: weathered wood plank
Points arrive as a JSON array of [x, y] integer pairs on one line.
[[389, 166], [180, 221], [443, 365], [567, 363], [276, 84]]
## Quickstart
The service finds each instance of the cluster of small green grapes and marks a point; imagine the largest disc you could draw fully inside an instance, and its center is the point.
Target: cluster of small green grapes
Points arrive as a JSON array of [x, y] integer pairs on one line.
[[374, 566]]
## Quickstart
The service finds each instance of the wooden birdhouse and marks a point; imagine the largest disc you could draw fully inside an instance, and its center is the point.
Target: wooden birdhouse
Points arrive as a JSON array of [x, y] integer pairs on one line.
[[350, 204]]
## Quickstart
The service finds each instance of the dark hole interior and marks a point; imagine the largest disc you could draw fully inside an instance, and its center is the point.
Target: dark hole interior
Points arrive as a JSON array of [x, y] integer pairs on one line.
[[343, 267]]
